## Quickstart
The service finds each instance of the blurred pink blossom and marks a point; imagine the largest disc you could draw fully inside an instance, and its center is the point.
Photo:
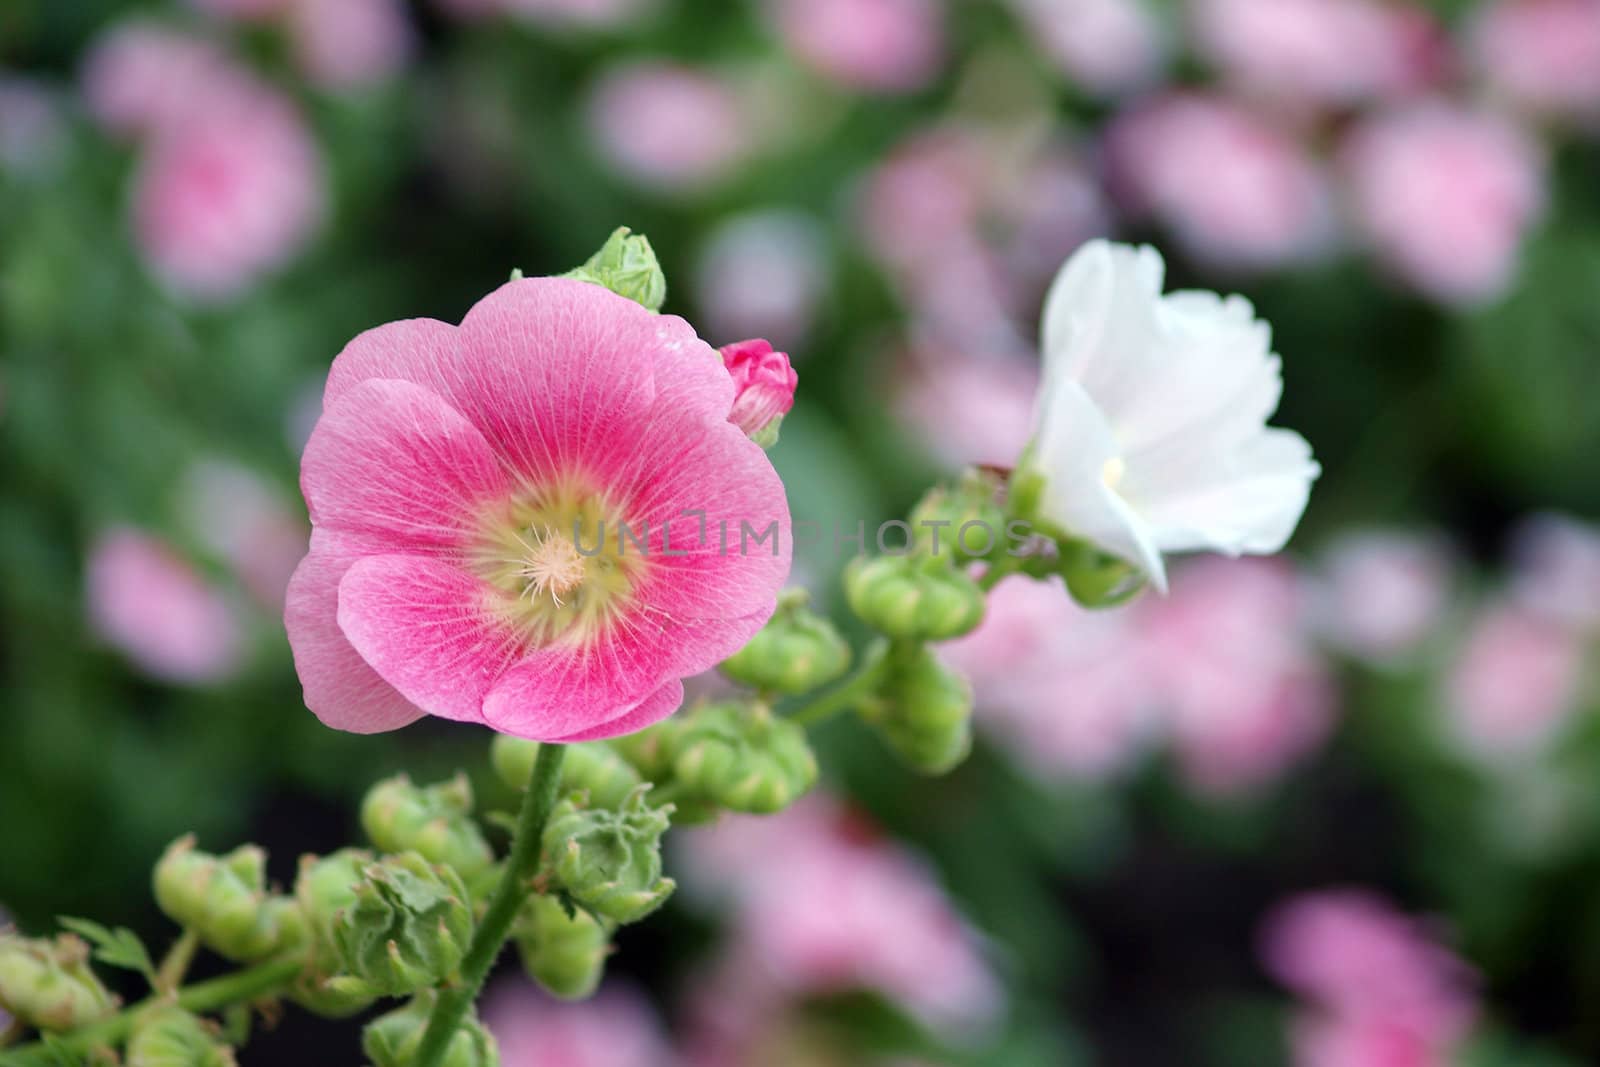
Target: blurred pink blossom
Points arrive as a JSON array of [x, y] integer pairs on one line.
[[1445, 195], [237, 516], [880, 46], [227, 196], [967, 410], [822, 904], [151, 605], [666, 124], [1063, 688], [615, 1028], [1235, 189], [1107, 46], [141, 77], [1556, 569], [762, 275], [1544, 54], [1515, 682], [1376, 983], [925, 195], [1381, 593], [1319, 51], [348, 44], [1244, 692]]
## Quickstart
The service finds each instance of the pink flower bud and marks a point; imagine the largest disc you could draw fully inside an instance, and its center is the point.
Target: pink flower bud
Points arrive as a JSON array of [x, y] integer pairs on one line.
[[765, 384]]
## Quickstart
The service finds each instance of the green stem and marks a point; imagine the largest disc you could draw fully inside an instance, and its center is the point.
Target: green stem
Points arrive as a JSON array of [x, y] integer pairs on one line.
[[176, 964], [846, 696], [455, 999], [1006, 565], [250, 984]]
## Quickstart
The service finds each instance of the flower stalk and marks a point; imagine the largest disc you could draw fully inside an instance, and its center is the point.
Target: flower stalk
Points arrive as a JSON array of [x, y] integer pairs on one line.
[[456, 998]]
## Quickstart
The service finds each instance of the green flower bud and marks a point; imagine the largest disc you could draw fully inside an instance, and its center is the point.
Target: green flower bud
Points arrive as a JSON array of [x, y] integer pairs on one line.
[[649, 751], [325, 890], [743, 759], [925, 714], [595, 770], [1095, 579], [564, 952], [407, 927], [627, 265], [796, 651], [392, 1040], [964, 521], [48, 984], [171, 1037], [433, 821], [224, 899], [609, 861], [915, 598]]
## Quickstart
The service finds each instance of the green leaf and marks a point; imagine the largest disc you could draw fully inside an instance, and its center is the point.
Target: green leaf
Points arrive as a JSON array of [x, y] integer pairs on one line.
[[115, 948]]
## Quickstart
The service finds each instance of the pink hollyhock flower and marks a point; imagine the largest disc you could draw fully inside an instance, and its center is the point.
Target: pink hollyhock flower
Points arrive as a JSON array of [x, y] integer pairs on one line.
[[762, 275], [1107, 46], [926, 195], [142, 77], [1063, 688], [1375, 981], [877, 46], [1236, 190], [823, 905], [615, 1028], [228, 196], [1556, 569], [467, 488], [764, 383], [1444, 196], [238, 517], [667, 125], [1319, 51], [1515, 683], [1244, 692], [152, 606], [1544, 54], [347, 44], [1381, 593]]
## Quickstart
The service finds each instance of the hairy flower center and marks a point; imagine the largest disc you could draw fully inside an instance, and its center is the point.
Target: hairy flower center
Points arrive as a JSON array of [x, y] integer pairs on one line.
[[553, 557]]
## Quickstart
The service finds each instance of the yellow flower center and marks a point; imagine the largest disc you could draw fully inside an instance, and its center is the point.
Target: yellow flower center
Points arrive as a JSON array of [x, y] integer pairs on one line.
[[556, 558], [1111, 474]]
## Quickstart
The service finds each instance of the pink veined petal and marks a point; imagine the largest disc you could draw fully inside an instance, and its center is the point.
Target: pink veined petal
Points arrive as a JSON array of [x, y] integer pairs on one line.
[[391, 460], [558, 374], [427, 627], [413, 350], [649, 711], [340, 687], [563, 690], [719, 529]]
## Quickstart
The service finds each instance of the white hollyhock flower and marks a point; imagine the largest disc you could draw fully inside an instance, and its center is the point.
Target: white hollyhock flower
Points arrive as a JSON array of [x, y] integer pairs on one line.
[[1150, 433]]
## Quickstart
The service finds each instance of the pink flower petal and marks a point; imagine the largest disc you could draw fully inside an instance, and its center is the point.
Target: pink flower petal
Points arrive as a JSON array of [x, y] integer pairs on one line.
[[392, 460], [425, 627], [340, 687], [413, 350], [651, 710]]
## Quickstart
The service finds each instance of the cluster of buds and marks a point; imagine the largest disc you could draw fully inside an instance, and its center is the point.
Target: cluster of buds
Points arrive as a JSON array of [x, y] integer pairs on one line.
[[948, 518], [914, 597], [407, 927], [48, 984], [608, 861], [325, 889], [563, 947], [433, 821], [923, 711], [224, 900], [168, 1036], [599, 776], [797, 651], [393, 1040]]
